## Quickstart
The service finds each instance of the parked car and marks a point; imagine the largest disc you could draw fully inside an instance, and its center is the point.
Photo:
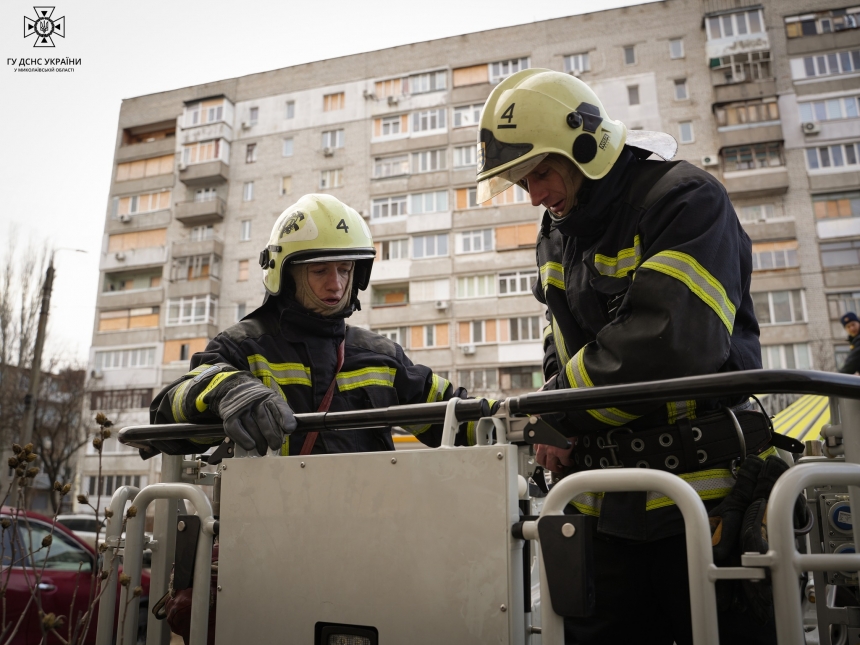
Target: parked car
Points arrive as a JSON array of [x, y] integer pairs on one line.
[[92, 530], [69, 567]]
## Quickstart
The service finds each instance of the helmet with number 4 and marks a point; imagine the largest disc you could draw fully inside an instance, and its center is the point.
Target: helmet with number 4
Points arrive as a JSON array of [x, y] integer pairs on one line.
[[317, 228], [538, 112]]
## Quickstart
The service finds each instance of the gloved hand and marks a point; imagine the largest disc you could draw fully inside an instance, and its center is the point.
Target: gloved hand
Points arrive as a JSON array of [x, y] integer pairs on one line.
[[255, 416]]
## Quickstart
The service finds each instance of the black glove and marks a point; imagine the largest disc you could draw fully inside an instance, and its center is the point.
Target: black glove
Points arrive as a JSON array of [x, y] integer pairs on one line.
[[255, 416]]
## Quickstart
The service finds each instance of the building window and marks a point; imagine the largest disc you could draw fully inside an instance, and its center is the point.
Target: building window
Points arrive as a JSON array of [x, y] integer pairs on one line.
[[429, 160], [427, 82], [757, 111], [633, 94], [756, 213], [390, 126], [504, 68], [389, 296], [242, 274], [767, 256], [398, 335], [476, 286], [145, 168], [527, 328], [391, 166], [475, 241], [183, 351], [251, 153], [201, 233], [192, 309], [287, 149], [435, 202], [735, 24], [120, 399], [836, 205], [577, 63], [786, 357], [204, 112], [331, 178], [245, 230], [839, 304], [516, 282], [779, 307], [390, 87], [291, 110], [676, 48], [286, 185], [240, 311], [840, 254], [822, 22], [125, 358], [832, 156], [521, 378], [681, 93], [196, 267], [762, 155], [203, 151], [115, 282], [479, 380], [333, 102], [844, 62], [743, 68], [429, 335], [248, 191], [145, 203], [685, 130], [829, 110], [124, 319], [477, 332], [205, 195], [388, 207], [428, 120], [464, 156], [630, 55], [393, 249], [430, 246], [467, 115], [253, 115], [516, 236], [332, 138], [430, 290]]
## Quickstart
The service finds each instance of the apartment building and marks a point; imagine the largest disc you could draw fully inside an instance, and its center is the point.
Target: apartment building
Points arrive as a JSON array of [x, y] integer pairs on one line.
[[761, 94]]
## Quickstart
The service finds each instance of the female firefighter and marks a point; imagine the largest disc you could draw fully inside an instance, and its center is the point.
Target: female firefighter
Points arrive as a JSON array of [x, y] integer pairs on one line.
[[296, 353]]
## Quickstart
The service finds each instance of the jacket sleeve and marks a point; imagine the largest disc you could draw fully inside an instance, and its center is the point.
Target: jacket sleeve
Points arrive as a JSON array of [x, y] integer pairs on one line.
[[852, 362], [678, 314]]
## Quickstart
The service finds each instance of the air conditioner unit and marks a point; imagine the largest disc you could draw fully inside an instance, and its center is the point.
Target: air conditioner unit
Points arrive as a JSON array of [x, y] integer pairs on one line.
[[810, 127], [575, 72], [710, 160], [96, 374], [368, 96], [393, 100], [246, 125], [119, 255], [468, 350], [125, 219], [441, 304], [328, 152], [182, 166]]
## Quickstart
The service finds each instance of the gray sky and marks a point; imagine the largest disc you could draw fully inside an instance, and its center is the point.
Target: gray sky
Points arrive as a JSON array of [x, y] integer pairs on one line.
[[58, 129]]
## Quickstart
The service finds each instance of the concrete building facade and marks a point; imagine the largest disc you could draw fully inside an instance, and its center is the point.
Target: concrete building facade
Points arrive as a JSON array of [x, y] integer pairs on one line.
[[764, 95]]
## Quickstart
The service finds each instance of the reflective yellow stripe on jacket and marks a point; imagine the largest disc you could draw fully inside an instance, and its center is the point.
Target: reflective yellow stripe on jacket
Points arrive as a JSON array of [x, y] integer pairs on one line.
[[626, 261], [578, 377], [438, 386], [280, 373], [366, 376], [685, 268], [680, 410], [552, 274]]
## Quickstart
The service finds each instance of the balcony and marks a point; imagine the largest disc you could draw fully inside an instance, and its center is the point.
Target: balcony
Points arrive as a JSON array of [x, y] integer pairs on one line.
[[135, 151], [748, 134], [184, 248], [846, 39], [209, 172], [745, 184], [131, 298], [195, 213], [117, 261], [205, 132], [199, 287], [744, 91]]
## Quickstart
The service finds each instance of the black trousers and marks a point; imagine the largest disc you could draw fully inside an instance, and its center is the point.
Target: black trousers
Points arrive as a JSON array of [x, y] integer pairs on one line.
[[643, 596]]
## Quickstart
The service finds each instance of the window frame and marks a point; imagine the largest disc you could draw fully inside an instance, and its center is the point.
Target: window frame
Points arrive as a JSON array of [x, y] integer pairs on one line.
[[516, 278], [336, 178], [629, 60], [579, 68], [680, 55], [439, 240]]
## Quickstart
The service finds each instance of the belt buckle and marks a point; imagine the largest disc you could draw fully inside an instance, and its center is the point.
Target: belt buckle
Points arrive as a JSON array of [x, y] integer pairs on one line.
[[609, 445]]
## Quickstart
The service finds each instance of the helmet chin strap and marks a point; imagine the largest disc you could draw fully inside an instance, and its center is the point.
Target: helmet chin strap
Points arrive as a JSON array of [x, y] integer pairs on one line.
[[309, 300], [566, 170]]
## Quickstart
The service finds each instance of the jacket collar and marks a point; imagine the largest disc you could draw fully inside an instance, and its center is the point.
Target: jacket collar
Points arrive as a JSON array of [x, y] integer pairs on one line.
[[295, 320], [593, 210]]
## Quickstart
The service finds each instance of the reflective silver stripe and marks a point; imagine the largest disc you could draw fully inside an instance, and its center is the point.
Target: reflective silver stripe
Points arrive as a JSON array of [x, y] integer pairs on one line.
[[577, 376], [622, 264], [685, 268], [281, 373], [560, 345], [552, 274], [680, 410], [367, 376], [438, 386]]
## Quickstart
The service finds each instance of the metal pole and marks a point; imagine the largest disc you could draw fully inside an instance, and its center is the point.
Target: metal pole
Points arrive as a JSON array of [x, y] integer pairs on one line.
[[128, 604], [700, 558], [849, 412], [163, 553], [107, 603]]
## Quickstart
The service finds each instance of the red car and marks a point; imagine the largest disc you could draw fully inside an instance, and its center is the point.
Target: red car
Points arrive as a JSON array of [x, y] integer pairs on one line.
[[69, 568]]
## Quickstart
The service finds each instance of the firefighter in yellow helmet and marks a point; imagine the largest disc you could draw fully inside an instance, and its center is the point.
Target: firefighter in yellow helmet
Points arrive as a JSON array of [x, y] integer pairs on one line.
[[297, 354], [645, 272]]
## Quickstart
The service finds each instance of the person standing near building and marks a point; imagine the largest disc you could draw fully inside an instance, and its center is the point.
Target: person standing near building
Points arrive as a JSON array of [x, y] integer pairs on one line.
[[851, 324], [296, 353], [645, 272]]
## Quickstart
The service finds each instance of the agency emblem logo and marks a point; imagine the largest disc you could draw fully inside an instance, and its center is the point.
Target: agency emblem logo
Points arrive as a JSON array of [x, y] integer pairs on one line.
[[43, 27]]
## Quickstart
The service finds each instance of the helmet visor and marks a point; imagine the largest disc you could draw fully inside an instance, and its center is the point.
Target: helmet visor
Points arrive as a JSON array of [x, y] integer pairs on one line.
[[334, 256], [489, 188]]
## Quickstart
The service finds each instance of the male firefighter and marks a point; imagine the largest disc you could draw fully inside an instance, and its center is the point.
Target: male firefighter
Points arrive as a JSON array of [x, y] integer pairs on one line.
[[645, 272], [851, 324], [296, 353]]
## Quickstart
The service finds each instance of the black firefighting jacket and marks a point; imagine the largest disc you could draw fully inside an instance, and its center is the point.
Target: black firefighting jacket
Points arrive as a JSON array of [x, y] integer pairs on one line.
[[294, 352], [648, 278], [852, 361]]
